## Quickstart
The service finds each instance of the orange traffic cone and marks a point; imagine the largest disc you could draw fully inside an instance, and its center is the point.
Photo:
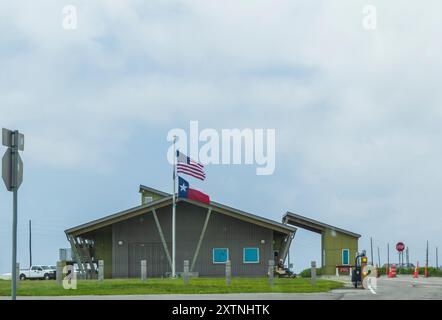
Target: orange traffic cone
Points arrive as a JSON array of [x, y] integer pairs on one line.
[[392, 273], [416, 271]]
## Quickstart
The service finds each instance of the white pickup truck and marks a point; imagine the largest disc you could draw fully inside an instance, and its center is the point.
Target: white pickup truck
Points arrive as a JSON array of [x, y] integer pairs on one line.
[[38, 272]]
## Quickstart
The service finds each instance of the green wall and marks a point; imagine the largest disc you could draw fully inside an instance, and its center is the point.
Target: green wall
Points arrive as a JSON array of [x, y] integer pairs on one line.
[[145, 193], [103, 249], [333, 242]]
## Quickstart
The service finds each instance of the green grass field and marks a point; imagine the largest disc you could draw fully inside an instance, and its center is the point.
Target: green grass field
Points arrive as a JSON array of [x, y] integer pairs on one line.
[[166, 286]]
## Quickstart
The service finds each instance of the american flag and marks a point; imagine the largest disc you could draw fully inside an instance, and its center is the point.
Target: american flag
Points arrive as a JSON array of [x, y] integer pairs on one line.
[[188, 166]]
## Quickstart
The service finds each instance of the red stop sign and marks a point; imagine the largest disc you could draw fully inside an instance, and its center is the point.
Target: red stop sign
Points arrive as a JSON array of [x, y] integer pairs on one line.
[[400, 246]]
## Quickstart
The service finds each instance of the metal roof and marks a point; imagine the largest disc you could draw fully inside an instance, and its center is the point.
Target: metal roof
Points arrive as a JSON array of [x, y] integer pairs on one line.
[[138, 210], [313, 225], [219, 206], [225, 209], [156, 191], [122, 215]]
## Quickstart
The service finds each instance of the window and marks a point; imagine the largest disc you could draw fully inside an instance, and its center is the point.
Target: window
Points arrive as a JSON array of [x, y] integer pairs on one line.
[[220, 255], [250, 255], [345, 257], [148, 199]]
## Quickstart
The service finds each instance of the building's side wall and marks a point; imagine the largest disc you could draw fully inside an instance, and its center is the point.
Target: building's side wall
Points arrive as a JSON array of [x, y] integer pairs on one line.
[[235, 234], [138, 234], [332, 245], [103, 248], [145, 193], [139, 230]]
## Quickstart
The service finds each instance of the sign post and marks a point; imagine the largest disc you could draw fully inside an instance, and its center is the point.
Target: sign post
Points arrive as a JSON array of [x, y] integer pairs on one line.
[[400, 247], [12, 174]]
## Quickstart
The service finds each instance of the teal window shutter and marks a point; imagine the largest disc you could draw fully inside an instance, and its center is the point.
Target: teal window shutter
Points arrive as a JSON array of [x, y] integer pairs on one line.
[[220, 255], [251, 255]]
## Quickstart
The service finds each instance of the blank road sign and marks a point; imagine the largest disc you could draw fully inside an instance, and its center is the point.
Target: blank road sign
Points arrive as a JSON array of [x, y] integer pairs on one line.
[[7, 139], [19, 171], [6, 169], [7, 166], [21, 142]]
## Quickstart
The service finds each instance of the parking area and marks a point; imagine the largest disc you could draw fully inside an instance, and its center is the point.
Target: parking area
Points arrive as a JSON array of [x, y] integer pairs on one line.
[[400, 288]]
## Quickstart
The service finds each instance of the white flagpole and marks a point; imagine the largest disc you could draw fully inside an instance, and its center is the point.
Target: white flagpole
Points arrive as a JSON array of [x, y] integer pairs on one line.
[[174, 209]]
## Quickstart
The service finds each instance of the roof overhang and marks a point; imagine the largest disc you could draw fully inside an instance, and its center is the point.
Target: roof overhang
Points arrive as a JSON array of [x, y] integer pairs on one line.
[[313, 225], [216, 207], [153, 190], [117, 217], [245, 216]]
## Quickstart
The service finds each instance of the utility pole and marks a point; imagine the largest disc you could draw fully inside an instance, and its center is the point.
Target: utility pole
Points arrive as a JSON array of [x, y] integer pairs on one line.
[[379, 258], [12, 174], [437, 258], [407, 254], [426, 262], [30, 244], [388, 259], [371, 248]]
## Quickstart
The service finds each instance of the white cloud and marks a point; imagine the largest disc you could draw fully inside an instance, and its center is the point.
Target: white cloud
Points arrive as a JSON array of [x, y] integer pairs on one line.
[[359, 110]]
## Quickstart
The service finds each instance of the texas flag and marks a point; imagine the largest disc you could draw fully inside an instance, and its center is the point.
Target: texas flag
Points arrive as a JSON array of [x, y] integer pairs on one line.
[[184, 191]]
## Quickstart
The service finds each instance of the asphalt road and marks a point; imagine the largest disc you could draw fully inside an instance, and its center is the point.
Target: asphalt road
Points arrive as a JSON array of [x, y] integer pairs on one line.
[[401, 288]]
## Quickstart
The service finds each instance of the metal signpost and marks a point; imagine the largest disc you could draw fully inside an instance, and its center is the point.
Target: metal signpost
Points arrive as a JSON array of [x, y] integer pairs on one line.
[[12, 174], [400, 246]]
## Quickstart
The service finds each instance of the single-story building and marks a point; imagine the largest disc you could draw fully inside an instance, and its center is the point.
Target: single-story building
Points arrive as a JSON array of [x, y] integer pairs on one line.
[[338, 246], [207, 235]]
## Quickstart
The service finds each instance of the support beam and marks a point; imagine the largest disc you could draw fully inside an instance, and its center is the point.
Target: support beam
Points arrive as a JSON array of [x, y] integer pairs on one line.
[[286, 247], [75, 253], [203, 232], [86, 248], [163, 240]]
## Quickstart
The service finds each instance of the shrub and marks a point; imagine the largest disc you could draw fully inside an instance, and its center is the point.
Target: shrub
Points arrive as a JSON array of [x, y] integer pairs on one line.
[[306, 273]]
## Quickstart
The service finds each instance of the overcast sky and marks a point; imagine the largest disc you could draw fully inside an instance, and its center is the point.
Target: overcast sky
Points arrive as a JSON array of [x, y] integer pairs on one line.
[[357, 112]]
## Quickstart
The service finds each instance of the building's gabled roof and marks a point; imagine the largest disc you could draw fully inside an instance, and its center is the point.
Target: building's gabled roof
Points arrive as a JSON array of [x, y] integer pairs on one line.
[[119, 216], [167, 200], [155, 191], [271, 224], [313, 225]]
